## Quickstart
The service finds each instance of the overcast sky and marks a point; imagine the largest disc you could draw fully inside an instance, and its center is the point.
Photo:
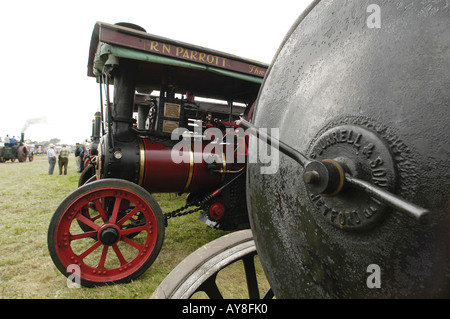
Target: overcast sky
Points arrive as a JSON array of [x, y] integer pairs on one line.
[[45, 46]]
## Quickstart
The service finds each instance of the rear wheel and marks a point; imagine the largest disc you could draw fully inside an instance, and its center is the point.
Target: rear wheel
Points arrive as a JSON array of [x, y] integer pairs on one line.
[[86, 174], [120, 239], [22, 154], [198, 273]]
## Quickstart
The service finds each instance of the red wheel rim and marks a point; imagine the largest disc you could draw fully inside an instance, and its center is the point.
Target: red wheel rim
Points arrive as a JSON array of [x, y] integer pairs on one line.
[[113, 255]]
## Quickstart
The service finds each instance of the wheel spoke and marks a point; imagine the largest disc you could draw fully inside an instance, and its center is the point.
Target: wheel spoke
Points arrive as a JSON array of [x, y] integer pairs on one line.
[[101, 263], [268, 294], [119, 254], [128, 216], [115, 210], [250, 274], [132, 230], [87, 221], [210, 288], [94, 218], [90, 249], [132, 243], [100, 210], [83, 235]]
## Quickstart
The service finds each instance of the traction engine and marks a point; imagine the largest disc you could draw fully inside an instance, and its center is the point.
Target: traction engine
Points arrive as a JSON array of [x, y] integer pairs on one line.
[[21, 151], [155, 136]]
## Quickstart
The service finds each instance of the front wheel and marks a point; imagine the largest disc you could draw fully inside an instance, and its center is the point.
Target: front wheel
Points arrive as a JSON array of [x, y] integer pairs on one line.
[[103, 251]]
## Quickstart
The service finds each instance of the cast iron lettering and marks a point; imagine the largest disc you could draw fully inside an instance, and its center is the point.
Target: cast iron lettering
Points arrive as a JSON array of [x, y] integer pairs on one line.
[[364, 155]]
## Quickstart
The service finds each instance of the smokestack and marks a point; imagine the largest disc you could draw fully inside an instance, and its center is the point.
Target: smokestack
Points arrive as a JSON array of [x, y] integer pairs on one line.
[[97, 126], [96, 123], [124, 91]]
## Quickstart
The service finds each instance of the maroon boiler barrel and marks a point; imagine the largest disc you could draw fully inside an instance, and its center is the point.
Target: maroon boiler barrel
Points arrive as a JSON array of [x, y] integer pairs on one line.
[[159, 173]]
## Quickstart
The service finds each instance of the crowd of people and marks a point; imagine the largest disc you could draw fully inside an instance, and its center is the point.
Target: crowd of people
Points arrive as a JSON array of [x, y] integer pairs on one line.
[[62, 158]]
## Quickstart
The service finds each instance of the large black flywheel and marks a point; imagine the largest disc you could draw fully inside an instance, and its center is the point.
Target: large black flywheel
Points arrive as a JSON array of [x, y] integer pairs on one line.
[[362, 91]]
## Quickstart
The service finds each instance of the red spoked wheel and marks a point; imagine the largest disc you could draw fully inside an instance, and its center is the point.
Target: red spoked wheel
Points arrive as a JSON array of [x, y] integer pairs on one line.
[[111, 230]]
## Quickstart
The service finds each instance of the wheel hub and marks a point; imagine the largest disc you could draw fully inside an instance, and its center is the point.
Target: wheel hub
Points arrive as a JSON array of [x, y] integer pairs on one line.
[[109, 235], [356, 150]]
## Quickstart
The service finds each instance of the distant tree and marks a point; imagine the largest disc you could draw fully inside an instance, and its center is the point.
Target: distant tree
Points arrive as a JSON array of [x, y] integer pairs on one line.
[[54, 141], [29, 142]]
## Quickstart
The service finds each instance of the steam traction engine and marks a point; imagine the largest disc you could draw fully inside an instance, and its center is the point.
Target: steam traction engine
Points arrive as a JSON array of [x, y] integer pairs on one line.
[[20, 152], [186, 100]]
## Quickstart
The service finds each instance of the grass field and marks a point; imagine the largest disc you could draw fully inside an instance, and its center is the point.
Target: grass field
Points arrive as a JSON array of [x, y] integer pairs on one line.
[[28, 199]]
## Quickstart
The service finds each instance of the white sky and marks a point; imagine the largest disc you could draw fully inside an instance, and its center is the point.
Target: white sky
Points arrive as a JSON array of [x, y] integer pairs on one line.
[[45, 46]]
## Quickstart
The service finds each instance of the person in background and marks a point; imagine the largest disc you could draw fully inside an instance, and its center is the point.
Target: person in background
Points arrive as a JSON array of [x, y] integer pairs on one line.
[[51, 154], [77, 156], [63, 159], [82, 156], [7, 140], [13, 141]]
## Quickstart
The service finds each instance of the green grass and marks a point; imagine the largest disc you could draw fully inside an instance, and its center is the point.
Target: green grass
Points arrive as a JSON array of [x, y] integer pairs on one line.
[[28, 198]]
